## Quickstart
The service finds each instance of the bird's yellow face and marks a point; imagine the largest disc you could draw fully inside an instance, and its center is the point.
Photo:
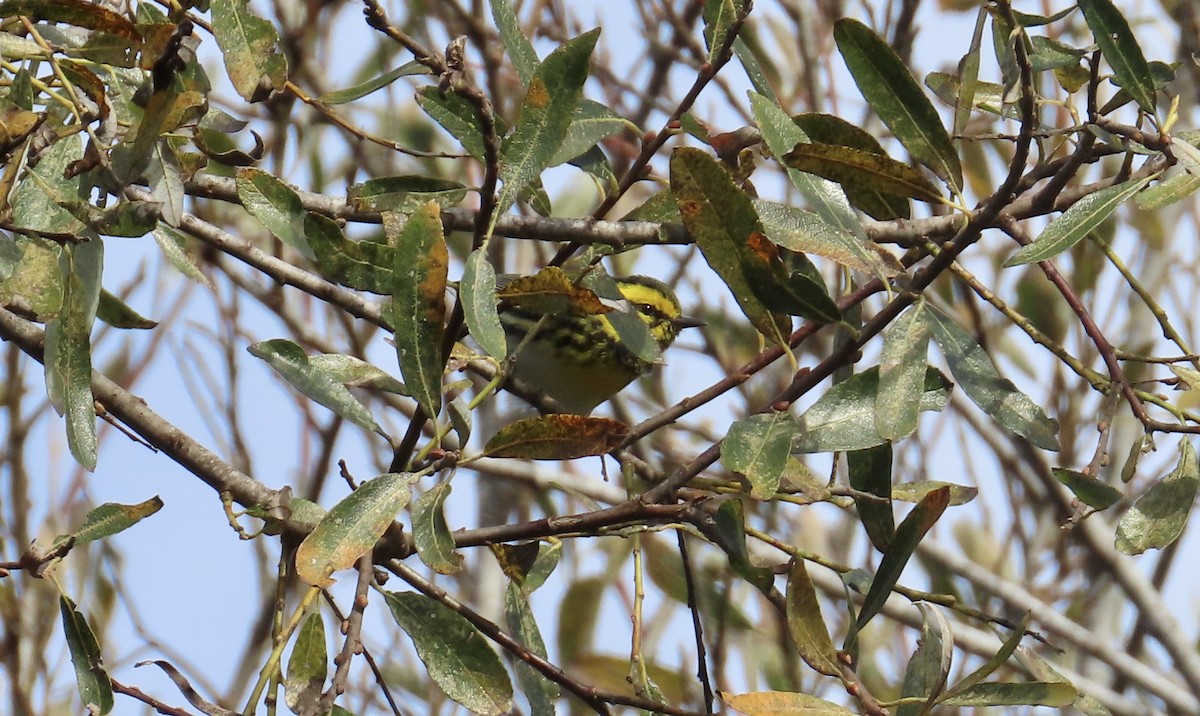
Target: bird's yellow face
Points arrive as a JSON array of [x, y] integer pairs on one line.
[[580, 361]]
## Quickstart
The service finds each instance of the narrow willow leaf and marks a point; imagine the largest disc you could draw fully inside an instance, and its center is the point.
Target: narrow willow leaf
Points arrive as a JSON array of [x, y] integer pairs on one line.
[[826, 129], [455, 654], [1121, 50], [896, 97], [355, 372], [362, 89], [927, 670], [458, 117], [69, 351], [249, 46], [731, 538], [1170, 190], [172, 243], [431, 534], [293, 365], [1034, 693], [540, 691], [362, 265], [1159, 516], [806, 625], [844, 418], [916, 491], [350, 529], [758, 447], [164, 176], [546, 113], [592, 122], [79, 14], [276, 205], [902, 374], [805, 231], [722, 218], [1094, 493], [418, 308], [307, 666], [404, 194], [748, 54], [908, 534], [719, 17], [826, 198], [994, 662], [1076, 222], [972, 367], [477, 291], [968, 77], [851, 166], [110, 518], [871, 472], [520, 50], [95, 690], [783, 703], [119, 314], [557, 437]]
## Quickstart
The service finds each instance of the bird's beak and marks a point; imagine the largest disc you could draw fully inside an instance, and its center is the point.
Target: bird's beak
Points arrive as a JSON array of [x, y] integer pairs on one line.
[[686, 322]]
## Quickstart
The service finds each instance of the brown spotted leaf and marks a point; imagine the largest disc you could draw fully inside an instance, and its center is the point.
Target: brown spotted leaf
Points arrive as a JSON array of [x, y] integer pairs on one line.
[[557, 437]]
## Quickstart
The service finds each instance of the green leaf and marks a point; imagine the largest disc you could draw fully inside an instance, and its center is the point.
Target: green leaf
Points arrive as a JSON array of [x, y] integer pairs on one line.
[[1120, 48], [293, 365], [520, 50], [908, 535], [1094, 493], [758, 447], [350, 529], [362, 89], [307, 666], [477, 291], [1159, 516], [748, 54], [844, 418], [925, 675], [361, 265], [968, 77], [719, 17], [902, 374], [95, 690], [806, 625], [1170, 190], [871, 472], [73, 12], [592, 122], [916, 491], [69, 351], [249, 46], [972, 367], [804, 231], [518, 613], [783, 703], [1049, 54], [431, 534], [458, 117], [119, 314], [896, 97], [826, 198], [172, 243], [1034, 693], [1076, 222], [454, 652], [276, 205], [110, 518], [549, 106], [823, 129], [722, 219], [731, 538], [418, 307], [404, 194], [994, 662], [850, 166], [355, 372], [557, 437]]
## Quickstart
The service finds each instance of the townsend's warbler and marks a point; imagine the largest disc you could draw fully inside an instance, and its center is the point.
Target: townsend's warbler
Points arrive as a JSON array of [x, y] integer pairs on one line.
[[580, 360]]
